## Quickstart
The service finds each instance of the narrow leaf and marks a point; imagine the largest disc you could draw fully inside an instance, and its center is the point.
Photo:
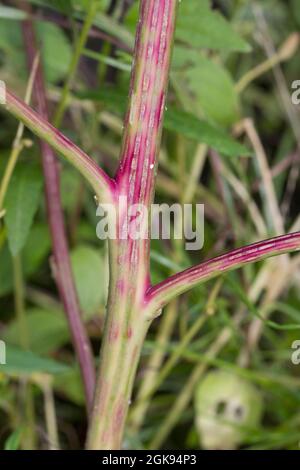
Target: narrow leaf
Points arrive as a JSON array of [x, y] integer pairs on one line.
[[21, 203], [175, 120], [200, 26], [24, 363]]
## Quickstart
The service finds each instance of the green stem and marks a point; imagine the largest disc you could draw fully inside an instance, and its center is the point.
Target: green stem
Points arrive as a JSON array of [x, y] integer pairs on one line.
[[128, 315], [124, 334]]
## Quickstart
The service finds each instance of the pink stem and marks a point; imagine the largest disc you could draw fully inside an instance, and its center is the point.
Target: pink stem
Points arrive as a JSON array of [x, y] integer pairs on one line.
[[63, 272], [149, 80], [157, 296], [126, 321]]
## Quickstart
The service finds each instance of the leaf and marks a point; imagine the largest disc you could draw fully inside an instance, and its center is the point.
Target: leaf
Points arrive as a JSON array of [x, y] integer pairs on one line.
[[175, 120], [90, 277], [63, 6], [48, 331], [197, 129], [56, 50], [295, 10], [24, 363], [210, 84], [10, 13], [34, 252], [70, 385], [21, 203], [200, 26], [14, 440]]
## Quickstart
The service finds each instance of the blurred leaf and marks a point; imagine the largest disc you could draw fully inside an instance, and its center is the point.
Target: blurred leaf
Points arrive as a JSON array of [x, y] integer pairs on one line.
[[37, 247], [22, 363], [14, 440], [200, 26], [70, 385], [190, 126], [90, 275], [21, 203], [175, 120], [112, 27], [10, 13], [64, 6], [48, 331], [34, 252], [210, 84], [296, 10], [56, 49]]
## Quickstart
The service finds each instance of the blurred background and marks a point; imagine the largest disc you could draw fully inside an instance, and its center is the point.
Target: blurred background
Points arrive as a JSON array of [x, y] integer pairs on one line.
[[221, 367]]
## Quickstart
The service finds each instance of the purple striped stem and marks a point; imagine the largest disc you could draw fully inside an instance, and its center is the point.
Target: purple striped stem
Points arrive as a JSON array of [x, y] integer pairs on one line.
[[133, 302], [101, 183], [127, 322], [162, 293], [63, 272]]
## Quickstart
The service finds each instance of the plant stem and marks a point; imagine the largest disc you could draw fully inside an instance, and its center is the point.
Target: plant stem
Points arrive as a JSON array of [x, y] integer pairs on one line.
[[175, 285], [63, 271], [18, 144], [50, 414], [127, 316], [98, 179]]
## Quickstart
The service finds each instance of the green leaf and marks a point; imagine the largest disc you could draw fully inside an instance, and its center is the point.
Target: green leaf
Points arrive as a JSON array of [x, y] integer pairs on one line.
[[63, 6], [91, 277], [24, 363], [34, 252], [48, 331], [70, 385], [214, 90], [21, 203], [200, 26], [57, 52], [10, 13], [189, 125], [13, 441], [175, 120]]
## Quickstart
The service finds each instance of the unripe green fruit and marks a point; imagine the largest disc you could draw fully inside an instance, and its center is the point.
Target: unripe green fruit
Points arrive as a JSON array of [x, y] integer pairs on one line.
[[227, 407]]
